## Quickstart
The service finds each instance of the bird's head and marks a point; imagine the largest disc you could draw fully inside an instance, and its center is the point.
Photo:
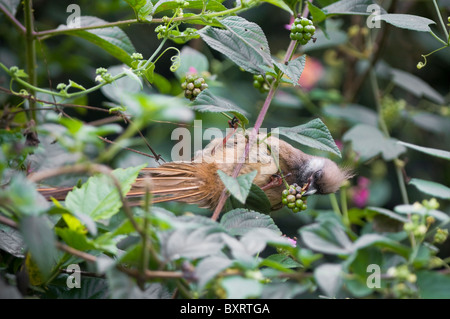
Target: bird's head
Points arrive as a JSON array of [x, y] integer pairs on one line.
[[323, 176]]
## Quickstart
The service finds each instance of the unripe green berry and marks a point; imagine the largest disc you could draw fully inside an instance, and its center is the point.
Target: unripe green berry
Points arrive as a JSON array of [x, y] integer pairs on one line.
[[196, 91], [298, 196], [304, 206], [188, 94], [190, 86], [307, 36], [285, 193], [259, 78], [198, 83], [257, 84], [291, 199], [291, 205], [204, 86], [299, 203], [284, 201], [183, 85], [295, 209], [305, 22]]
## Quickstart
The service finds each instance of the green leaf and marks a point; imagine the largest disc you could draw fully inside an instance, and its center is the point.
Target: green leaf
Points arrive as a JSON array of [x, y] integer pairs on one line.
[[209, 267], [314, 134], [191, 243], [113, 40], [428, 150], [406, 21], [388, 213], [351, 7], [241, 221], [11, 5], [326, 238], [293, 69], [256, 200], [329, 278], [11, 241], [142, 9], [369, 142], [191, 58], [307, 257], [40, 240], [133, 76], [353, 113], [164, 5], [242, 41], [98, 197], [239, 288], [280, 262], [416, 86], [207, 102], [279, 3], [317, 14], [431, 188], [381, 241], [433, 285], [238, 187]]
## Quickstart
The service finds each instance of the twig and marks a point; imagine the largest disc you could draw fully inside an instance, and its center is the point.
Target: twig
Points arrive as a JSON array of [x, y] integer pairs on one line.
[[30, 52]]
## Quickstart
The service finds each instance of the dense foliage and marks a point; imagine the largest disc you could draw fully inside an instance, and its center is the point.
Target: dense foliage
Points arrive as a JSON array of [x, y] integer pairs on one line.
[[89, 103]]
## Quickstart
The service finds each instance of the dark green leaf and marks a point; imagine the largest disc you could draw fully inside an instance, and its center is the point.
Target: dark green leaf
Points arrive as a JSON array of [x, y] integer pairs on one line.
[[326, 238], [241, 221], [11, 241], [142, 8], [433, 285], [317, 14], [406, 21], [431, 188], [280, 262], [40, 240], [242, 41], [257, 200], [113, 40], [314, 134], [207, 102], [164, 5], [329, 278], [369, 142], [293, 69], [428, 150], [238, 187], [279, 3], [382, 241]]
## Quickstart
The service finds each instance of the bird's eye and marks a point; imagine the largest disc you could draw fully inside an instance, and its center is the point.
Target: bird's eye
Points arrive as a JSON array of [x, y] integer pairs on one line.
[[318, 175]]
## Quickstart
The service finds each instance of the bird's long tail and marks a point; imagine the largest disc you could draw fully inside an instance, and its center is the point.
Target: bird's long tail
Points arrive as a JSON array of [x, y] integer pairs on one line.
[[184, 182]]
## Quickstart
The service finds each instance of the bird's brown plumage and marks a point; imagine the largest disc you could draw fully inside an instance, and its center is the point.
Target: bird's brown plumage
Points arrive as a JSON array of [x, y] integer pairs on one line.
[[197, 182]]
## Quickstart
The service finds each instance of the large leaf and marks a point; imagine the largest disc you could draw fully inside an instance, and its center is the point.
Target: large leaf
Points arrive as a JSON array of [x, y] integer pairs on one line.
[[142, 8], [207, 102], [314, 134], [256, 200], [242, 41], [113, 40], [238, 187], [329, 278], [40, 240], [433, 285], [428, 150], [431, 188], [210, 267], [191, 58], [293, 69], [326, 238], [241, 221], [382, 241], [99, 197], [406, 21], [369, 142], [352, 7]]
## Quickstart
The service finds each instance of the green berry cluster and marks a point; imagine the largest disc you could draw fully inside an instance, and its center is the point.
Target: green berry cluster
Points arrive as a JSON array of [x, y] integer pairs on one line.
[[302, 30], [292, 198], [193, 85], [262, 83]]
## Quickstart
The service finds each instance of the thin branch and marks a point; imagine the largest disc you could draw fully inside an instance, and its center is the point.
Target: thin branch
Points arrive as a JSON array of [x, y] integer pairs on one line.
[[11, 18]]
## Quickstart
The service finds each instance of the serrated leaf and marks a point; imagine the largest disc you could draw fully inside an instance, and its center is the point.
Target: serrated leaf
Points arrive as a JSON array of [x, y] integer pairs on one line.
[[431, 188], [293, 69], [98, 197], [240, 221], [351, 7], [238, 187], [406, 21], [416, 85], [427, 150], [369, 142], [328, 277], [164, 5], [207, 102], [142, 8], [113, 40], [242, 41], [191, 58], [314, 134], [40, 240], [326, 238]]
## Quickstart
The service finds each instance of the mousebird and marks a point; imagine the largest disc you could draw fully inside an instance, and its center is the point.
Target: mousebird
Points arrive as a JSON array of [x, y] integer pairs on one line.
[[197, 181]]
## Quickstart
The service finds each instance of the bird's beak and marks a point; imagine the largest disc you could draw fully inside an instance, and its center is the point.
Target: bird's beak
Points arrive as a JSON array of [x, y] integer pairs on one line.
[[311, 189]]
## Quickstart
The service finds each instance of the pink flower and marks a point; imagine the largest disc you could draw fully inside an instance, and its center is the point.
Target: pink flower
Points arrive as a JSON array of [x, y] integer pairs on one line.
[[192, 70], [360, 192], [312, 73], [293, 242], [339, 144], [289, 26]]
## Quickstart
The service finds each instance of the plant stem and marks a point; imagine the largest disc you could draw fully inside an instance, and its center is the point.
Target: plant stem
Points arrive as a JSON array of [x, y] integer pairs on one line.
[[30, 52], [441, 20], [335, 204]]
